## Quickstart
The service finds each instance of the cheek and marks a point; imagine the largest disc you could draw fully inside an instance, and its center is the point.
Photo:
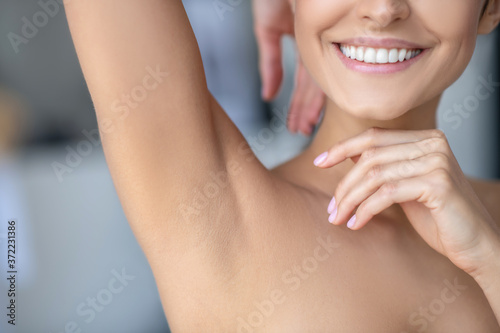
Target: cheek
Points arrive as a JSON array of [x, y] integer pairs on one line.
[[453, 23], [312, 19], [320, 14]]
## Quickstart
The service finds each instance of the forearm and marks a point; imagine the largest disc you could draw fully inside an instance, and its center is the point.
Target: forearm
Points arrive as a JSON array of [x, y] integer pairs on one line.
[[488, 276]]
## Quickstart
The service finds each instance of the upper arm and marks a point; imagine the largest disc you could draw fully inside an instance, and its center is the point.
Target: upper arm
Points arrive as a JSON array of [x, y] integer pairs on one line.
[[175, 157]]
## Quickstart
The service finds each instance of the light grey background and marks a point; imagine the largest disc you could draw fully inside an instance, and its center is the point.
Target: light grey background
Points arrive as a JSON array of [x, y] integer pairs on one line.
[[475, 140]]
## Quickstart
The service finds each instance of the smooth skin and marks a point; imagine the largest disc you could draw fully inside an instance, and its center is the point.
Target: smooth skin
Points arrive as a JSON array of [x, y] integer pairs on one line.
[[235, 247]]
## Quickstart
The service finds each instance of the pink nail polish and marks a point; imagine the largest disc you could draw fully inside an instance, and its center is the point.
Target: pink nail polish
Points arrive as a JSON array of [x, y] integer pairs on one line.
[[331, 206], [320, 159], [351, 222], [333, 216]]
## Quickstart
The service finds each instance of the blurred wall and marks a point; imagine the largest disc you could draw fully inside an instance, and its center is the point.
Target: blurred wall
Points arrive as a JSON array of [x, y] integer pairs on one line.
[[469, 112], [43, 71]]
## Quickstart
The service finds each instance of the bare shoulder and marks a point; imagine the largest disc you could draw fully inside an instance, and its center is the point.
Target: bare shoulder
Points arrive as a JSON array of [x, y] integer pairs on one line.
[[488, 192]]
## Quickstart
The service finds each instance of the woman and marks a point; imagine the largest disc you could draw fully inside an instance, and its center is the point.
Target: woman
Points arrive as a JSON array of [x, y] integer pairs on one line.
[[238, 248]]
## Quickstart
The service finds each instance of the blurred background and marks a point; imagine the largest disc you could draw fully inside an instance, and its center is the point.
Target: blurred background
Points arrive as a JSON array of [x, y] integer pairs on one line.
[[79, 266]]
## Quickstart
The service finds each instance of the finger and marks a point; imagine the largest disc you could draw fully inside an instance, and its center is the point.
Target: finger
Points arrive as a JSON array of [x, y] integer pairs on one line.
[[355, 159], [379, 175], [370, 160], [298, 100], [303, 84], [378, 137], [270, 63], [307, 102], [312, 110], [318, 103], [293, 118], [405, 190]]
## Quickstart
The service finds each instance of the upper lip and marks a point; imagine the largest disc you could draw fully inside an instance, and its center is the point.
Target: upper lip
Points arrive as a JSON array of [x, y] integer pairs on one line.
[[390, 43]]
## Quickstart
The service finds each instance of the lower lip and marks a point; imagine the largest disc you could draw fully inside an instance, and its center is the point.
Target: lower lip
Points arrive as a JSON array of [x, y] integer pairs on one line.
[[364, 67]]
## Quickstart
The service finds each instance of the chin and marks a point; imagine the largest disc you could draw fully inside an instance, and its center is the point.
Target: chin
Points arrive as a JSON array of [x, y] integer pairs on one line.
[[374, 108]]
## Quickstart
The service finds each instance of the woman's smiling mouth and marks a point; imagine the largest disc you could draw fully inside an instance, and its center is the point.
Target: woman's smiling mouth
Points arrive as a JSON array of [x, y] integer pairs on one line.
[[371, 55], [378, 56]]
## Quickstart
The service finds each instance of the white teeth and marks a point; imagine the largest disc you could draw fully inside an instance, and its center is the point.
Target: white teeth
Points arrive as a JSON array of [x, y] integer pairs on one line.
[[347, 52], [370, 55], [402, 55], [382, 56], [393, 56], [408, 55], [378, 56], [360, 53]]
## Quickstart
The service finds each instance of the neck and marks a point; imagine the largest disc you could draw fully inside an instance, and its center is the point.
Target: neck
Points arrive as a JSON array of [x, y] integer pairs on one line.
[[338, 125]]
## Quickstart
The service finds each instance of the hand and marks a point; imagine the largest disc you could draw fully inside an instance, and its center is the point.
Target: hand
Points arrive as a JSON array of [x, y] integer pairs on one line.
[[417, 170], [273, 20]]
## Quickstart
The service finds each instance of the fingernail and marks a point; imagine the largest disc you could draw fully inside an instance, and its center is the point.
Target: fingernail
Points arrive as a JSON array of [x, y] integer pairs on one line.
[[320, 159], [331, 206], [333, 216], [351, 222]]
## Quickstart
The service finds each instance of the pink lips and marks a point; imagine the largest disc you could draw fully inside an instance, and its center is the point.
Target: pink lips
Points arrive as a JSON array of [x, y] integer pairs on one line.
[[388, 68], [388, 43]]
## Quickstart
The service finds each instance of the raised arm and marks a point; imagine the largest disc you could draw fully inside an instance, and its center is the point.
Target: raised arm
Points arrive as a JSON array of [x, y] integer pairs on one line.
[[165, 137]]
